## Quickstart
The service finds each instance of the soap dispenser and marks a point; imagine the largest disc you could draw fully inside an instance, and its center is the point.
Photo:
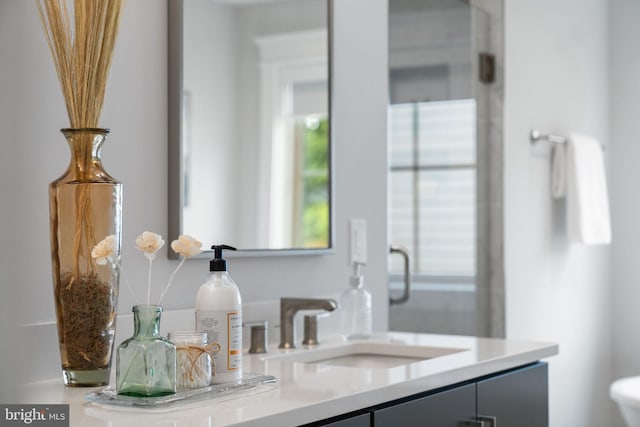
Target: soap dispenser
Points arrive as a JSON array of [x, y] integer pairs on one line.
[[219, 314], [355, 304]]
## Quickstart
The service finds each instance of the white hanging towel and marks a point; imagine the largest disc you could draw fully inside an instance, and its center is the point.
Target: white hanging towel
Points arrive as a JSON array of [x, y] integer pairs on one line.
[[587, 198], [558, 171]]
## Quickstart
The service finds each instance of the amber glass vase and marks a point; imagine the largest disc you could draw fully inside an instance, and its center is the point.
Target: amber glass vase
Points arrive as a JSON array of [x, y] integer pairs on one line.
[[85, 206]]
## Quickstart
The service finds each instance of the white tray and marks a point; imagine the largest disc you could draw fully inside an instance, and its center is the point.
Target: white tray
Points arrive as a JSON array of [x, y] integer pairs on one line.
[[108, 396]]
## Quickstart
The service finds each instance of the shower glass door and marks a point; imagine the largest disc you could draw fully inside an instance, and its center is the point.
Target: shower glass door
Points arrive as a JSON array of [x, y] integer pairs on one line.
[[436, 165]]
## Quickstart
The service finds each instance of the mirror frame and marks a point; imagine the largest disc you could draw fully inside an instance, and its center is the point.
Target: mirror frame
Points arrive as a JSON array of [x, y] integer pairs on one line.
[[175, 151]]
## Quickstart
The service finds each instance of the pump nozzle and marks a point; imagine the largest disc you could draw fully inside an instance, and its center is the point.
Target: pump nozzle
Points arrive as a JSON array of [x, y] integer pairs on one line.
[[356, 276], [218, 263]]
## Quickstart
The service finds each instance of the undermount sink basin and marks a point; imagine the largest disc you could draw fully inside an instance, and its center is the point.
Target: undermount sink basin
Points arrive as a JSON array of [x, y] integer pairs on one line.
[[365, 354]]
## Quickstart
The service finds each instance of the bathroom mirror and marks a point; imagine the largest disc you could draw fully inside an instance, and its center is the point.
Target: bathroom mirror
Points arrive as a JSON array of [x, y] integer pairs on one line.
[[249, 124]]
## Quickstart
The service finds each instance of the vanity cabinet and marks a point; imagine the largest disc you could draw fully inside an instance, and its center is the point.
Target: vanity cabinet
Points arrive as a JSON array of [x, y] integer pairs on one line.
[[515, 398]]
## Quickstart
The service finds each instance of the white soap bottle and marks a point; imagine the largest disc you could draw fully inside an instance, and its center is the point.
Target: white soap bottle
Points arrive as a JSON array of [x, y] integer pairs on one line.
[[355, 305], [219, 313]]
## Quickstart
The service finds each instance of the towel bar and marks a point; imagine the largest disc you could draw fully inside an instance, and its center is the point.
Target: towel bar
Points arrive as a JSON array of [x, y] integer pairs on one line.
[[535, 136]]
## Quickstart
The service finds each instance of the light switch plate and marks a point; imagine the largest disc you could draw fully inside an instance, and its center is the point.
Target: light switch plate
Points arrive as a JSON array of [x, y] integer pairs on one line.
[[358, 240]]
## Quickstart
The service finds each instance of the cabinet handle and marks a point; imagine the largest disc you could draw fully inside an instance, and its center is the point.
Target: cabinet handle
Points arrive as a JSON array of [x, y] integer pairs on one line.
[[397, 249], [472, 423], [493, 421]]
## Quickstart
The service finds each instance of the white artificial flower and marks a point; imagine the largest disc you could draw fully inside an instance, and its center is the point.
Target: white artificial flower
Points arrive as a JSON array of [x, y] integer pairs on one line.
[[149, 243], [186, 246], [104, 250]]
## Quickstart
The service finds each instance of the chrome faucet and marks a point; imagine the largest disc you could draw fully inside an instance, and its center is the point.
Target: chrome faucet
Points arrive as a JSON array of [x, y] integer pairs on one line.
[[288, 309]]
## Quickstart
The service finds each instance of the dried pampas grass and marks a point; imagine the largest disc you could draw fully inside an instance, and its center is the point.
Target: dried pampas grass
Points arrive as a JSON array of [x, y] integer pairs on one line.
[[82, 48]]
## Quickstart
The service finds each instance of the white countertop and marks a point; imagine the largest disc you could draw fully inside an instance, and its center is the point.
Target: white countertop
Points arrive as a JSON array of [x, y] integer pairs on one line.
[[308, 392]]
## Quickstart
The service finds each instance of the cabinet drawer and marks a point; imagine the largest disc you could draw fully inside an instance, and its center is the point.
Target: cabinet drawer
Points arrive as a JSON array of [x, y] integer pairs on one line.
[[516, 399], [445, 409]]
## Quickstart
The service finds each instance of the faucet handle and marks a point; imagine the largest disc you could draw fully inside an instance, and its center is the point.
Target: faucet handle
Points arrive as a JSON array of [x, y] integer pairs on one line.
[[258, 336], [311, 328]]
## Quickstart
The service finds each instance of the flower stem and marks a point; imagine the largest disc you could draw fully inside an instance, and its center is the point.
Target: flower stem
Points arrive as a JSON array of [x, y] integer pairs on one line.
[[149, 282], [166, 288], [116, 264]]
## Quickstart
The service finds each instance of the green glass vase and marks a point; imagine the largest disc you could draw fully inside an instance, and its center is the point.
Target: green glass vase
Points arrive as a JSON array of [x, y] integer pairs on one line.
[[146, 362]]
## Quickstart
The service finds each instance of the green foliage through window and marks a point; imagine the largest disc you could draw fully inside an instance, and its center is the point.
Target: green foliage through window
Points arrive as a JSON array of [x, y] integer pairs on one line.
[[313, 181]]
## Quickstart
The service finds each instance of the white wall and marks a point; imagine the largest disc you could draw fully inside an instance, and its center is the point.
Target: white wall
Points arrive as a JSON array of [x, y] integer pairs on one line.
[[625, 153], [556, 80], [136, 153]]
